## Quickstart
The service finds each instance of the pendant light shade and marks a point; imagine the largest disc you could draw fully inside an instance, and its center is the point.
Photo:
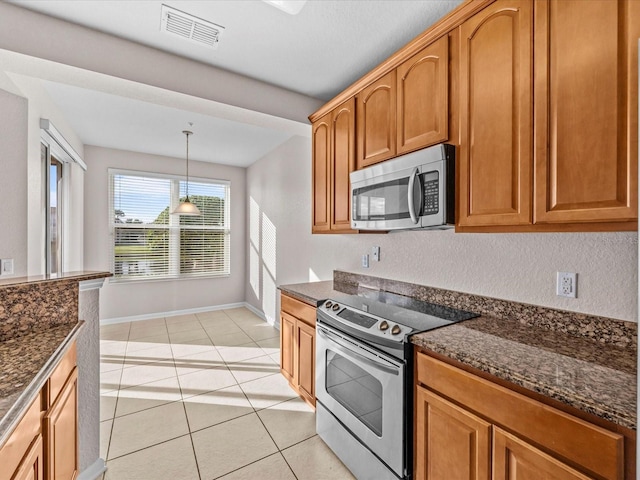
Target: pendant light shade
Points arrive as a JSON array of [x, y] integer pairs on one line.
[[186, 207]]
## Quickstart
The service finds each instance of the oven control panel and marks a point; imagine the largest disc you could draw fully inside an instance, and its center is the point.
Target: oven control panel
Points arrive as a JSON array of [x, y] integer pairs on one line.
[[360, 320]]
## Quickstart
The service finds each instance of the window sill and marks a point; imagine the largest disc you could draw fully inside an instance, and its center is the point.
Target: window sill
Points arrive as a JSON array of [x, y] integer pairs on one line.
[[130, 281]]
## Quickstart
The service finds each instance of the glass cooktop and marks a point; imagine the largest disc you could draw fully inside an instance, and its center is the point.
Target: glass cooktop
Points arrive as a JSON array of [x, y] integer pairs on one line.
[[416, 314]]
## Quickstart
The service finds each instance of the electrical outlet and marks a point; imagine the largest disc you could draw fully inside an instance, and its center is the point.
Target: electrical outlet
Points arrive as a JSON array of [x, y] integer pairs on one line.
[[375, 253], [365, 261], [567, 284], [6, 266]]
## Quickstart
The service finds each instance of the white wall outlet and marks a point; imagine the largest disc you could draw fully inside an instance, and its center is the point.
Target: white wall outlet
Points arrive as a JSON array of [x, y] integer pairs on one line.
[[567, 284], [365, 261], [6, 266], [375, 253]]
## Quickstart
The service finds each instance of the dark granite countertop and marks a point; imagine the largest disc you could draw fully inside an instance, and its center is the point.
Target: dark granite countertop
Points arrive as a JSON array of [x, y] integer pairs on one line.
[[78, 276], [596, 378], [586, 362], [313, 293], [25, 364]]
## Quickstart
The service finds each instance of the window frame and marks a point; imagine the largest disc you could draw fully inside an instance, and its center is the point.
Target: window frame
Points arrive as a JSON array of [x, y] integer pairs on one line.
[[174, 261]]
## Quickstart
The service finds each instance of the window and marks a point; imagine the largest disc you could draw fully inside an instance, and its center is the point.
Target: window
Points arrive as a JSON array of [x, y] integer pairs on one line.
[[54, 188], [150, 243]]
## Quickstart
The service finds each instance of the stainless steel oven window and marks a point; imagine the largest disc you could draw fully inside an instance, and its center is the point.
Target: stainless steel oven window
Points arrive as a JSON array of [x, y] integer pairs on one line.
[[355, 389]]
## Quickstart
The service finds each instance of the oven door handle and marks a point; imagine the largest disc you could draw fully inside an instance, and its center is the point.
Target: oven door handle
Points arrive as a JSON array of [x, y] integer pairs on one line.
[[339, 346], [412, 206]]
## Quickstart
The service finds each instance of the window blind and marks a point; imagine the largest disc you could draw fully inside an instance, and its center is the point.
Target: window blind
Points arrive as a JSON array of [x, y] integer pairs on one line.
[[151, 243]]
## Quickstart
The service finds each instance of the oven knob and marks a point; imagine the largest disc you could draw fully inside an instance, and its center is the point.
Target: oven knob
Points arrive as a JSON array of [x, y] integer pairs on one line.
[[328, 305], [395, 330], [336, 307], [383, 325]]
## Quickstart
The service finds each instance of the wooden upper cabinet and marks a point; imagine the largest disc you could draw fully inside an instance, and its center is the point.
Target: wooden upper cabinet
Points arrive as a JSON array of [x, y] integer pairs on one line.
[[376, 121], [450, 441], [515, 459], [321, 139], [495, 165], [586, 64], [422, 98], [342, 163]]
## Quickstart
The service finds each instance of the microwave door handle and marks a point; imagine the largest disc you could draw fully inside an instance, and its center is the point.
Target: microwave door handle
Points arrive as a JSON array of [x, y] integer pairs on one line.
[[412, 207]]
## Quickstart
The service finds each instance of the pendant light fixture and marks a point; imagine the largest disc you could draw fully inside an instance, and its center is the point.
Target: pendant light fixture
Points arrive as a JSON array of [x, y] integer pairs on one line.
[[186, 207]]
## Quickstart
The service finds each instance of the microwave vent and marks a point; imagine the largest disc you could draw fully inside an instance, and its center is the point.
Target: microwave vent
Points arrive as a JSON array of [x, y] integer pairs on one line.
[[192, 28]]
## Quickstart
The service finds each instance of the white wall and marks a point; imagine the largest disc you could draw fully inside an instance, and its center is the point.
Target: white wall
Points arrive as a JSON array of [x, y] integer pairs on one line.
[[13, 180], [518, 267], [140, 298], [37, 35], [25, 177]]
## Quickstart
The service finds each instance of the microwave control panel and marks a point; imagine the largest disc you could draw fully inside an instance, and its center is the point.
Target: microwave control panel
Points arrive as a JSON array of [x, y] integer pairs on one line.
[[430, 187]]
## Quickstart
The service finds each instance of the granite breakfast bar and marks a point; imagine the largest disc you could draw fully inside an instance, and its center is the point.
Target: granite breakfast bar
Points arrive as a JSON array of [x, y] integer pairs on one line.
[[46, 321]]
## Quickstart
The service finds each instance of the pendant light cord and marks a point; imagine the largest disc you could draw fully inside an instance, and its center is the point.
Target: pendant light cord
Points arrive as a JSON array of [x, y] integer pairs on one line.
[[187, 133]]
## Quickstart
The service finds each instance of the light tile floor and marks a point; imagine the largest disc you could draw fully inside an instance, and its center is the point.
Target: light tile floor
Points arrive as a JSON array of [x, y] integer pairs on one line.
[[201, 397]]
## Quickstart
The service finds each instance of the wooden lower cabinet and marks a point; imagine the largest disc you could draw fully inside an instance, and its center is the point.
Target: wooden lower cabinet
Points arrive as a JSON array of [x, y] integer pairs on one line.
[[61, 427], [298, 346], [44, 444], [468, 427], [450, 441], [31, 467], [306, 361], [515, 459], [287, 339]]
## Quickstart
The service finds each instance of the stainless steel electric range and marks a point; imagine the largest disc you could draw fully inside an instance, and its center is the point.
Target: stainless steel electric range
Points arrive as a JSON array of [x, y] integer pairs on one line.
[[364, 378]]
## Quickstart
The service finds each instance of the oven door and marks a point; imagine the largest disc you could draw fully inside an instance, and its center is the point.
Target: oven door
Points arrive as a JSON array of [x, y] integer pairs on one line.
[[363, 389]]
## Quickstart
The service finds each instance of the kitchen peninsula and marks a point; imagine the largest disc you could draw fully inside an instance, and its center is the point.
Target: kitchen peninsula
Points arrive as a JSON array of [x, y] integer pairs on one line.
[[49, 361]]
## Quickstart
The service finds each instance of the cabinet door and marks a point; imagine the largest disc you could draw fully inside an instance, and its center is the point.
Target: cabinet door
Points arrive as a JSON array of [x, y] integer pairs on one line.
[[515, 459], [321, 138], [287, 338], [423, 106], [586, 85], [376, 121], [31, 467], [496, 116], [306, 361], [343, 162], [450, 441], [61, 432]]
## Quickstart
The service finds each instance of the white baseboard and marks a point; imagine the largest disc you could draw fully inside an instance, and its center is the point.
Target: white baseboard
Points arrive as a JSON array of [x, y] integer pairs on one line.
[[259, 313], [173, 313], [96, 469]]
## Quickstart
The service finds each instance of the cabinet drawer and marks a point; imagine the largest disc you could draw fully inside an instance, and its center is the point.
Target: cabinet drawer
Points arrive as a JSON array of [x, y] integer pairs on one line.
[[298, 309], [14, 450], [576, 441], [61, 373]]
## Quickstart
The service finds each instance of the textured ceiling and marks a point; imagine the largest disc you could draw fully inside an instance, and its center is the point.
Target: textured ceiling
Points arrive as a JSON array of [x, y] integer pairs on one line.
[[319, 52]]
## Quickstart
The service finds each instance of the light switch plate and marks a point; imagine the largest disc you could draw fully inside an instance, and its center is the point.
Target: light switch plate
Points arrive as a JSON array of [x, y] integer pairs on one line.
[[375, 254], [365, 261]]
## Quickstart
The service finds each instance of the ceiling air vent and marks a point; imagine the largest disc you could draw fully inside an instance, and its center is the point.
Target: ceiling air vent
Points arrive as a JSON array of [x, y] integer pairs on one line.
[[192, 28]]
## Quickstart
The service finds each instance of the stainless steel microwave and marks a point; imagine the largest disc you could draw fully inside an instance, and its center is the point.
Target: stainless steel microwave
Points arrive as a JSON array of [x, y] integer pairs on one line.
[[416, 190]]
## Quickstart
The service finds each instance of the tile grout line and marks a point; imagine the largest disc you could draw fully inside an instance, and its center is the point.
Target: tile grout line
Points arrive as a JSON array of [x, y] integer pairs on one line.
[[115, 408], [274, 442], [226, 364], [184, 408]]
